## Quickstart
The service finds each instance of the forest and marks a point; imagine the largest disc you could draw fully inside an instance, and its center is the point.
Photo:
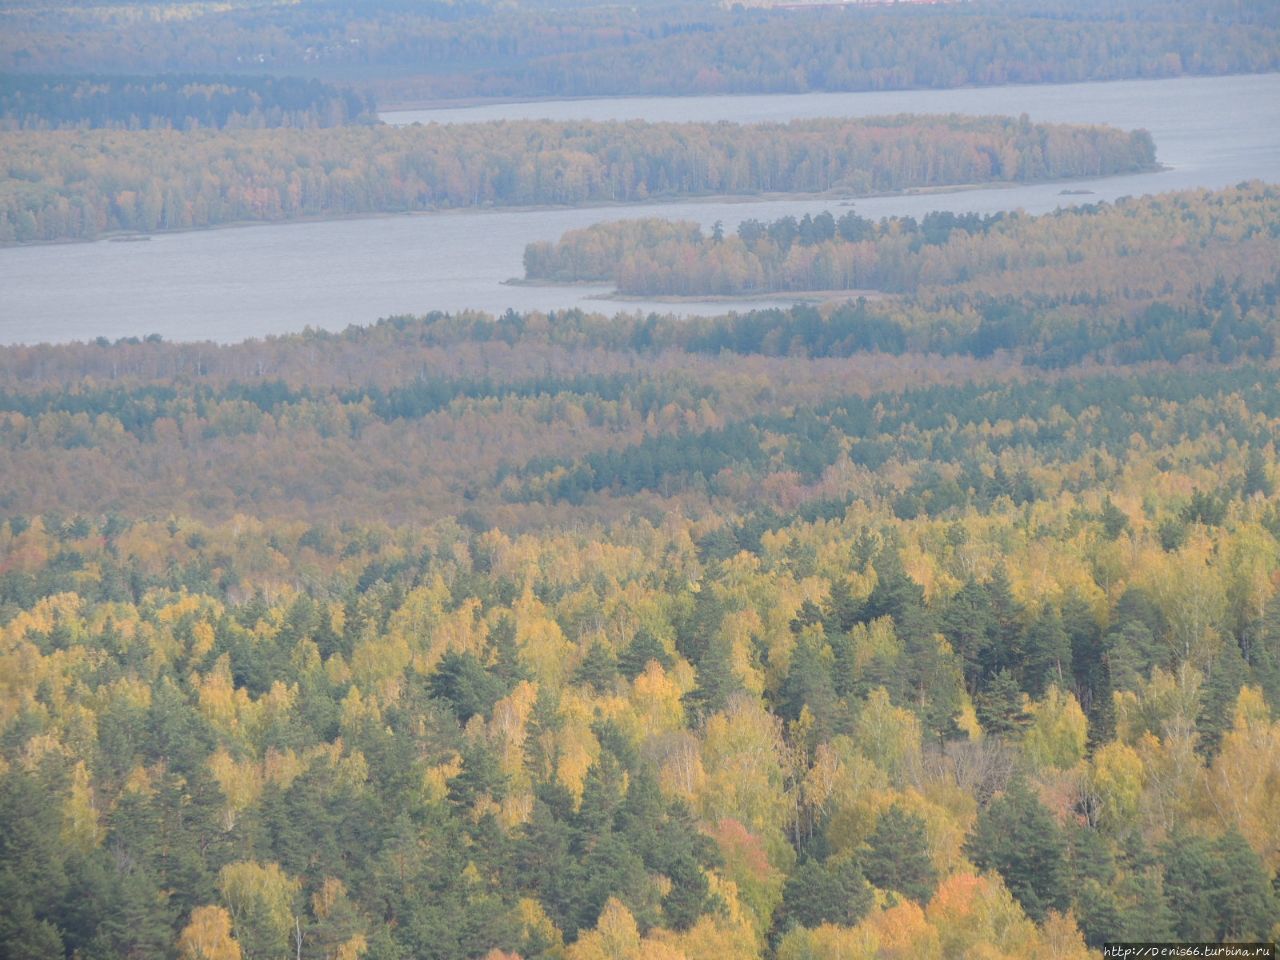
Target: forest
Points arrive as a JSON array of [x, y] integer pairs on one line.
[[174, 102], [436, 50], [79, 184], [777, 655]]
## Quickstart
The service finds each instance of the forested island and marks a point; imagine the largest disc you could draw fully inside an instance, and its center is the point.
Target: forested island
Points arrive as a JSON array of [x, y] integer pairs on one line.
[[65, 184], [1135, 251]]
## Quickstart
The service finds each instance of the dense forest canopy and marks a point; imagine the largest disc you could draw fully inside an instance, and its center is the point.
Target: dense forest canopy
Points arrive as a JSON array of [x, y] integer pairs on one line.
[[66, 184], [771, 655]]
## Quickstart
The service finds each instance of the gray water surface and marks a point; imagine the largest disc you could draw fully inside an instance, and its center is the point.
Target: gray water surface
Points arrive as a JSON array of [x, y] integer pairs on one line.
[[234, 283]]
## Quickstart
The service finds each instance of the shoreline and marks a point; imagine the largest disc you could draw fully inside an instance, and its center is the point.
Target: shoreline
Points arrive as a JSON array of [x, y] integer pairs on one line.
[[463, 103], [729, 299], [759, 296]]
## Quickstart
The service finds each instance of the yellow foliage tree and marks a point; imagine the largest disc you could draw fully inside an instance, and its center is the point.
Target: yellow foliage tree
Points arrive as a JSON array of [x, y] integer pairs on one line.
[[711, 938], [225, 707], [656, 700], [888, 735], [969, 911], [508, 730], [1061, 939], [543, 647], [578, 746], [1117, 780], [742, 752], [335, 935], [80, 828], [859, 792], [260, 899], [904, 933], [944, 829], [240, 781], [829, 942], [680, 770], [208, 936], [1058, 731], [536, 927], [1188, 586], [1244, 781], [1165, 705], [615, 937]]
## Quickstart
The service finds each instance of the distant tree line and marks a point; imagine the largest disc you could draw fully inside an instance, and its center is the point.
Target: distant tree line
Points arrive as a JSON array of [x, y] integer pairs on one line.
[[443, 50], [174, 102], [847, 49], [77, 184]]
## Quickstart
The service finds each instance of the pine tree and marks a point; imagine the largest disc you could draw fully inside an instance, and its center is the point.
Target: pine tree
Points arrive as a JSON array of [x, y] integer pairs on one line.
[[895, 593], [1246, 901], [1098, 913], [715, 682], [841, 610], [138, 920], [464, 683], [1048, 653], [1263, 653], [1147, 915], [809, 683], [643, 648], [1256, 479], [598, 669], [1005, 651], [1087, 649], [1218, 698], [1017, 837], [1115, 523], [999, 706], [33, 877], [506, 658], [967, 623], [1189, 886], [834, 891], [898, 858]]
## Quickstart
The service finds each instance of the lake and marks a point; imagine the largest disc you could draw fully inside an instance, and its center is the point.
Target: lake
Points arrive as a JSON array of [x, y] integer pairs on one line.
[[230, 284]]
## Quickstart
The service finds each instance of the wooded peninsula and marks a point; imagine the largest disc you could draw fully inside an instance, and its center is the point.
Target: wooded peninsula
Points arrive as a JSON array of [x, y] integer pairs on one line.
[[1133, 251], [79, 184]]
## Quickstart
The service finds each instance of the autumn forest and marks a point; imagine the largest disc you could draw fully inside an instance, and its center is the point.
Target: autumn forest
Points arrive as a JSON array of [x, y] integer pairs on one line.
[[936, 615]]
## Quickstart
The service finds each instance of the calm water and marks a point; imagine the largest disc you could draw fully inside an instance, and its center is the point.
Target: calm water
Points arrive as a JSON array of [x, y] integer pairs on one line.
[[230, 284]]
